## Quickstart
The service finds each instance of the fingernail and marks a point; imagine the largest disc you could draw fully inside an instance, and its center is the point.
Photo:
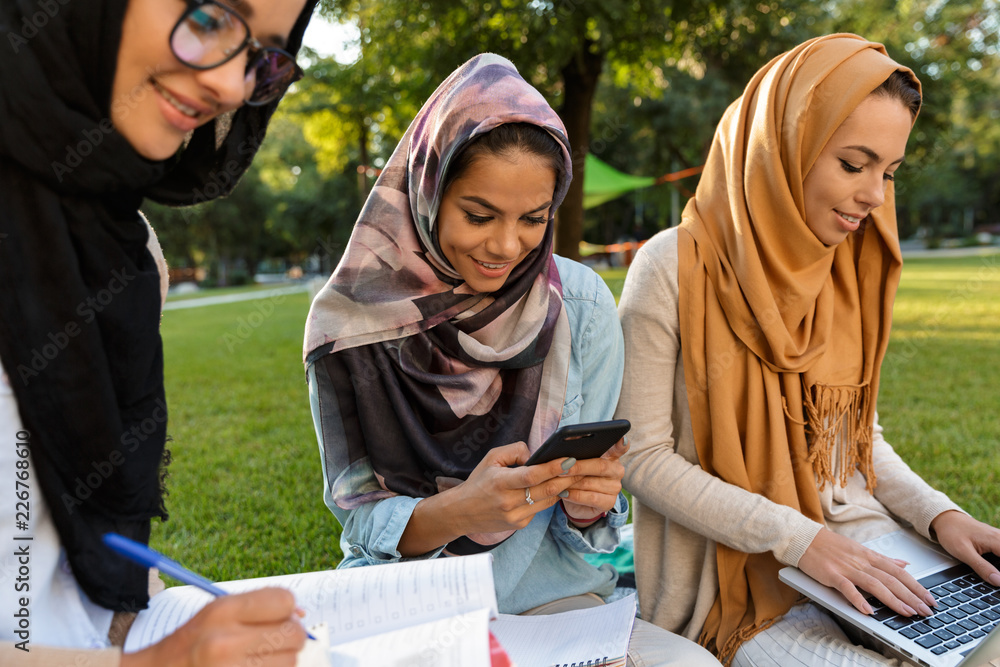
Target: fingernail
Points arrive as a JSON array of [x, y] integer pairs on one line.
[[995, 579], [568, 463], [930, 600], [300, 612], [909, 610], [925, 610], [867, 609], [564, 494]]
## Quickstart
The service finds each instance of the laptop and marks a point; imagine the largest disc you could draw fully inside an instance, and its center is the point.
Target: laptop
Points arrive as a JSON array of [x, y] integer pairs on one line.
[[964, 629]]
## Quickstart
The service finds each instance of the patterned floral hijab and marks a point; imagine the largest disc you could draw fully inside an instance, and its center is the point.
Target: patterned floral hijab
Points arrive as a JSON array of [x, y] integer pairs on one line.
[[428, 375]]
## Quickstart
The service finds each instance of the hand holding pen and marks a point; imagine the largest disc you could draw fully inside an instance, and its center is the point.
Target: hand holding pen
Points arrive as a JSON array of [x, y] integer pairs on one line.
[[253, 627]]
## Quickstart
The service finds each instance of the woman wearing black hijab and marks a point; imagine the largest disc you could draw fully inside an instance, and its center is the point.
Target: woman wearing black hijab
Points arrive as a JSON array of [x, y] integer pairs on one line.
[[104, 103]]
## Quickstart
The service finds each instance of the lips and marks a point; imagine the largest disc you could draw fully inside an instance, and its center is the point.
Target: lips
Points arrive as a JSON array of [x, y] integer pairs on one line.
[[851, 218], [491, 269], [849, 222], [494, 267], [181, 112]]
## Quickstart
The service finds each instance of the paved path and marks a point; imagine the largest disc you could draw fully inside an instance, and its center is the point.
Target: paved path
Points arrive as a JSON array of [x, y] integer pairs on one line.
[[232, 298], [909, 251], [975, 251]]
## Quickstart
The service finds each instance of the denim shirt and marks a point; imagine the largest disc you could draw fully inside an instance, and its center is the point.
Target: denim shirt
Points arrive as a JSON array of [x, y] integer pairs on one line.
[[541, 562]]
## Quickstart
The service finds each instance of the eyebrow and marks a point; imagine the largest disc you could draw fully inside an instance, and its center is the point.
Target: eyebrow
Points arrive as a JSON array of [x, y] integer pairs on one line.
[[242, 6], [875, 157], [482, 202], [245, 9]]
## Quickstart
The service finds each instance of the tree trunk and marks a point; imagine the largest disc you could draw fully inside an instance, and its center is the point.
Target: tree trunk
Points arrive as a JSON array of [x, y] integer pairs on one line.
[[580, 76], [363, 158]]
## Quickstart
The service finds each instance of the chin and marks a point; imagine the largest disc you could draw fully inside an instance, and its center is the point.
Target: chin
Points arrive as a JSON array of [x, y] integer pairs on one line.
[[156, 150]]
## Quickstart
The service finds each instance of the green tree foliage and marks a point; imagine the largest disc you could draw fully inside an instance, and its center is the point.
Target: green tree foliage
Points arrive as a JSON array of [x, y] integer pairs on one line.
[[639, 83], [569, 48], [289, 205], [949, 181]]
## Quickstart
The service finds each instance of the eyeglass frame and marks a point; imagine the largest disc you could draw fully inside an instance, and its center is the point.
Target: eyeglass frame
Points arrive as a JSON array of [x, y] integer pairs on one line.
[[251, 43]]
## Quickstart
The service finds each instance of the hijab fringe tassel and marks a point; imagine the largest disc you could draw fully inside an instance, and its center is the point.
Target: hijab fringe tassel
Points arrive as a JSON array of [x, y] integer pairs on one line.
[[839, 412]]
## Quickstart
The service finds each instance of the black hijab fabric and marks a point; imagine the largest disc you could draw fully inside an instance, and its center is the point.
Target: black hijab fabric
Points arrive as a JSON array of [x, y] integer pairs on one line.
[[79, 291]]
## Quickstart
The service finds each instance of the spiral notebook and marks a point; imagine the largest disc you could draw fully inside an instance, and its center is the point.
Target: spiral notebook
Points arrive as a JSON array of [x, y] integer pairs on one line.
[[592, 637]]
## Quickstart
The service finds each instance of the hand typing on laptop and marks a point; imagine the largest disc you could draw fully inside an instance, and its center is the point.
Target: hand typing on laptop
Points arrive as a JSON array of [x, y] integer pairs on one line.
[[842, 563], [967, 539], [852, 569]]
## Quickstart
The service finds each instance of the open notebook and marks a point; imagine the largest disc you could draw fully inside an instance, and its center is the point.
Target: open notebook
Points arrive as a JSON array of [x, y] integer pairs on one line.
[[430, 612], [420, 612]]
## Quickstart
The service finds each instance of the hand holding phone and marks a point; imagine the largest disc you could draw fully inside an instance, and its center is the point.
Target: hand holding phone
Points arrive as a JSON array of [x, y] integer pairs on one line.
[[581, 441]]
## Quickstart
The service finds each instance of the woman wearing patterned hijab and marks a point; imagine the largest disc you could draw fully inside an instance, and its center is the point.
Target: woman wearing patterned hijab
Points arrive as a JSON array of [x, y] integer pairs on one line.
[[106, 102], [756, 332], [450, 342]]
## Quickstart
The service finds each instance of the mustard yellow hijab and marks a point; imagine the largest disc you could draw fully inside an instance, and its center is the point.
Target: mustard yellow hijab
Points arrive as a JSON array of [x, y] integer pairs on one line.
[[783, 336]]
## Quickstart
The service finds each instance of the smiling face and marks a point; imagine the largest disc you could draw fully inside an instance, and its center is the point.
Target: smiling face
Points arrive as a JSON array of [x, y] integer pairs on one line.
[[852, 172], [494, 215], [155, 99]]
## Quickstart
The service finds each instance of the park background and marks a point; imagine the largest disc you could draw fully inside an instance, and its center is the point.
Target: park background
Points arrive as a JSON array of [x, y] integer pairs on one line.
[[639, 84]]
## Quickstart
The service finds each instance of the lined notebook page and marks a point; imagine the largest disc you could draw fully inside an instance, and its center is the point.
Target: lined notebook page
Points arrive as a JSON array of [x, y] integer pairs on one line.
[[593, 637], [354, 603]]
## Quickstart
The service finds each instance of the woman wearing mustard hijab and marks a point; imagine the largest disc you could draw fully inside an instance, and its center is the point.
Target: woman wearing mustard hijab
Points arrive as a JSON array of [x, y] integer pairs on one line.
[[754, 337]]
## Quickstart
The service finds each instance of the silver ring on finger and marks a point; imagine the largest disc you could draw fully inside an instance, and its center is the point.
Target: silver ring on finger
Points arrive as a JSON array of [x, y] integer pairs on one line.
[[527, 496]]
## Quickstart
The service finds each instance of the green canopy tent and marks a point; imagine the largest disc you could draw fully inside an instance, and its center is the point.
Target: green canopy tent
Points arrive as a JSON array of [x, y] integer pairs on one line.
[[602, 182]]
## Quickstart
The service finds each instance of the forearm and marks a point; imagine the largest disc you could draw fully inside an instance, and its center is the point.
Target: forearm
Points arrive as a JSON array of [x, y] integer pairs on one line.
[[432, 525], [373, 532], [47, 656]]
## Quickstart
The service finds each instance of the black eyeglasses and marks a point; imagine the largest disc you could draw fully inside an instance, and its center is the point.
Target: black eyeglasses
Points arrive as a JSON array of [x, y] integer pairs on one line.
[[210, 34]]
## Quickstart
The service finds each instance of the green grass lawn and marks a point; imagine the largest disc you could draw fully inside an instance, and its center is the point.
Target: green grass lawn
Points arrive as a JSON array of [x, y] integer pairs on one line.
[[246, 492], [246, 488], [941, 378]]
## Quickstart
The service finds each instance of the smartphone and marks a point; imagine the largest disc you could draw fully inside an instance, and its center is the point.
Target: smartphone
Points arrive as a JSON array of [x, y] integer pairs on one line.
[[581, 441]]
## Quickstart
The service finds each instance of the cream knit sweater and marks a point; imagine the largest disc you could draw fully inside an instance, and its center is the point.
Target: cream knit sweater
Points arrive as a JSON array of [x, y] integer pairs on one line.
[[680, 511]]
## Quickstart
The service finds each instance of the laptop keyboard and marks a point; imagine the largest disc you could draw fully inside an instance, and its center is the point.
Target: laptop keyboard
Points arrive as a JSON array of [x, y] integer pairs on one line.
[[968, 609]]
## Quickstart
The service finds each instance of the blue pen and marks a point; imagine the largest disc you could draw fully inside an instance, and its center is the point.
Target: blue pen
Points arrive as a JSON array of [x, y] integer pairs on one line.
[[143, 555]]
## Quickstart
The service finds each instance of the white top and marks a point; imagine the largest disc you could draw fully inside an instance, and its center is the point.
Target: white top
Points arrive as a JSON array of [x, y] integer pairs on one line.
[[59, 613]]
